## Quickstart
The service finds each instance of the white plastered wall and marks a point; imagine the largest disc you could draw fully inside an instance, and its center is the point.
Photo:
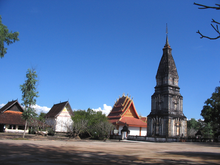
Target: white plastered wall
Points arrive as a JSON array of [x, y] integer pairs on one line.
[[64, 123], [15, 130], [134, 131], [144, 131]]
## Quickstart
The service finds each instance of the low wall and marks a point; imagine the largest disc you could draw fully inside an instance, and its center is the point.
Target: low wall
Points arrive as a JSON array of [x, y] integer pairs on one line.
[[201, 139], [145, 138], [15, 131], [161, 139], [115, 137], [152, 139]]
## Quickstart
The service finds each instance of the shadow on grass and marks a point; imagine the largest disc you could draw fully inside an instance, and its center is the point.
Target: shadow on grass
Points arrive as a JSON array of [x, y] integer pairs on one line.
[[204, 156], [28, 153], [201, 155], [206, 144]]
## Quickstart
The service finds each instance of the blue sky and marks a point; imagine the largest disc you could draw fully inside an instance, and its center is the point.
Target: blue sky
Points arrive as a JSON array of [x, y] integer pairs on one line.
[[90, 52]]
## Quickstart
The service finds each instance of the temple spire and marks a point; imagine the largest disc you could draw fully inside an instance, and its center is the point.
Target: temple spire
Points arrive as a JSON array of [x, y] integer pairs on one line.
[[167, 42]]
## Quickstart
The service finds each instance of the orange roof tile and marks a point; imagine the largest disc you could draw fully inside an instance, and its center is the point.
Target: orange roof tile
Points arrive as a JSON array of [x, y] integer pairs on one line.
[[144, 119], [132, 122], [12, 118], [123, 112]]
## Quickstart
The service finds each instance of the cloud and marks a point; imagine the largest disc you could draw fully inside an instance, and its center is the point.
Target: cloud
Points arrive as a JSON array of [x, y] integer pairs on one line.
[[106, 109], [40, 109], [1, 105]]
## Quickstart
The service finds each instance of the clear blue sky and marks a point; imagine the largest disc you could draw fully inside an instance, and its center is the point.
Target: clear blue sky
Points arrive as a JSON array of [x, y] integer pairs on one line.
[[90, 52]]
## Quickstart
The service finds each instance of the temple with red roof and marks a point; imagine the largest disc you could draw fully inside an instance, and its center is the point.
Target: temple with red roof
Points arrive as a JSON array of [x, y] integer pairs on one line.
[[11, 117], [124, 112]]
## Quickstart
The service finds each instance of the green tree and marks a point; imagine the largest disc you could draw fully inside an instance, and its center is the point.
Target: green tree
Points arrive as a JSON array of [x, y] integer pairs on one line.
[[211, 110], [6, 37], [192, 127], [207, 131], [93, 123], [41, 121], [193, 123], [29, 95], [216, 23], [41, 117]]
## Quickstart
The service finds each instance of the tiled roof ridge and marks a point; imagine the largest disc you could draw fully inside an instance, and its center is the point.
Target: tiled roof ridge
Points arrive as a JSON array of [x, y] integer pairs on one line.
[[114, 117], [125, 104], [57, 109], [65, 103], [126, 99], [119, 111], [8, 105], [62, 103], [117, 106], [9, 111], [128, 105], [120, 107], [54, 112], [136, 111]]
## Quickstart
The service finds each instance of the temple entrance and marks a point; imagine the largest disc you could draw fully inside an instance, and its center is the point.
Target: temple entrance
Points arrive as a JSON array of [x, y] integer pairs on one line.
[[124, 135], [2, 128]]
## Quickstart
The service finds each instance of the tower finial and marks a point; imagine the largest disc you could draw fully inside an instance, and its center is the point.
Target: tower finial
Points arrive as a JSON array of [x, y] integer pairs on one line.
[[167, 42], [166, 29]]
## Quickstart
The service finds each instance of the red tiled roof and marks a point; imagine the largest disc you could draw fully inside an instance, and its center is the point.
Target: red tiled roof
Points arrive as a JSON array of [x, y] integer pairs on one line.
[[144, 119], [12, 118], [57, 108], [118, 113], [132, 122], [120, 107]]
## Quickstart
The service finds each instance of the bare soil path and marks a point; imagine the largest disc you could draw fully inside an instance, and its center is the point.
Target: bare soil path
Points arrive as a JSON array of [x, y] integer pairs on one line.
[[68, 151]]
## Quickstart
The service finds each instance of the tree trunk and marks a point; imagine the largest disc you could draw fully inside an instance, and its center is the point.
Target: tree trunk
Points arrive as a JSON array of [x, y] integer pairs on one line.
[[25, 127]]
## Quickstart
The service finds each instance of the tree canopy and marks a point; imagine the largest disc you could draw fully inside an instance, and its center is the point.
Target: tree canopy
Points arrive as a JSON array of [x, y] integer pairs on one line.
[[93, 123], [6, 37], [211, 109], [193, 126], [29, 95]]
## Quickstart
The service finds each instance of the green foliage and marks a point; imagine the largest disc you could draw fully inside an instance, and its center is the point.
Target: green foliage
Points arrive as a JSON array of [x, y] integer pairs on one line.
[[6, 37], [41, 117], [29, 90], [207, 131], [29, 94], [95, 124], [192, 123], [211, 110], [29, 113], [51, 132], [193, 126]]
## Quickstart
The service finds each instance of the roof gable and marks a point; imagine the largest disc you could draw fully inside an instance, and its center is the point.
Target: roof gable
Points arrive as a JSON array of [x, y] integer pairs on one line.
[[13, 106], [123, 112], [123, 107], [57, 109], [131, 112]]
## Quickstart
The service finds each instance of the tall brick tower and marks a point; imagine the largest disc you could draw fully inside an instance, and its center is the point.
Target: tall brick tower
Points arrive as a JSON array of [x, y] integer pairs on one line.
[[166, 118]]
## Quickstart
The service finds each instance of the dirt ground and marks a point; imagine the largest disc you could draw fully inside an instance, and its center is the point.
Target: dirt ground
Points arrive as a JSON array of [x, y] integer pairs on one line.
[[57, 150]]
